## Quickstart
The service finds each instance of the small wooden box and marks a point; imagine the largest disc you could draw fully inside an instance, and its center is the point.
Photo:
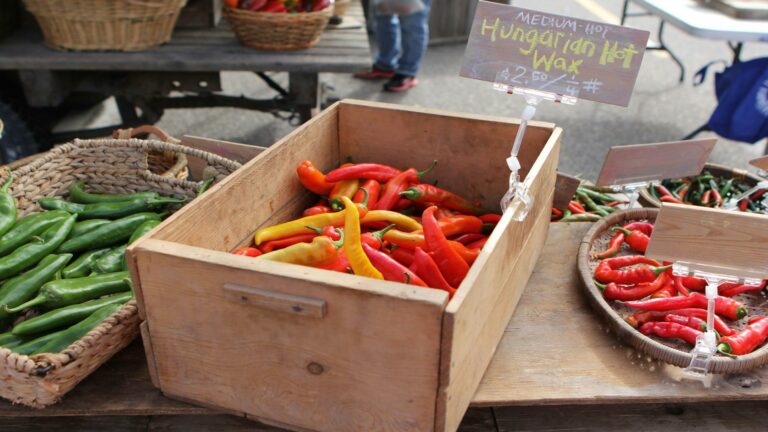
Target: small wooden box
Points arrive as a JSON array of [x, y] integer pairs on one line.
[[310, 349], [200, 14]]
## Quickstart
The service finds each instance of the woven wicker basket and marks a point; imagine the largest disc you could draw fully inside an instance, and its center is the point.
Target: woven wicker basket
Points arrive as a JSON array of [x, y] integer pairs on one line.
[[122, 25], [278, 31], [107, 166]]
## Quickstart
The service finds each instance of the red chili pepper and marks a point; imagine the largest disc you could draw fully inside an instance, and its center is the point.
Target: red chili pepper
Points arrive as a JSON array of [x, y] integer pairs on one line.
[[576, 208], [613, 248], [374, 239], [607, 271], [461, 224], [688, 321], [403, 256], [557, 213], [612, 291], [730, 290], [318, 209], [469, 255], [644, 227], [743, 204], [247, 251], [492, 218], [319, 5], [664, 191], [683, 192], [757, 195], [391, 192], [402, 204], [724, 306], [368, 171], [313, 179], [331, 232], [716, 196], [666, 291], [670, 199], [427, 193], [374, 191], [443, 213], [466, 239], [613, 203], [453, 267], [341, 264], [706, 196], [478, 244], [426, 267], [694, 283], [274, 6], [286, 241], [391, 269], [680, 287], [636, 240], [671, 330], [745, 341], [640, 318]]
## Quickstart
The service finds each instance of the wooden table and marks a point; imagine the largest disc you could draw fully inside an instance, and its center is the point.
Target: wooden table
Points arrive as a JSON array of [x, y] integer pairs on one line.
[[556, 368]]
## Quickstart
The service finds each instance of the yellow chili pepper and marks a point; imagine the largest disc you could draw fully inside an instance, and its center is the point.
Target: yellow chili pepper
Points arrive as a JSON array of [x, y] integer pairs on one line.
[[320, 252], [299, 226], [402, 221], [353, 246], [406, 240]]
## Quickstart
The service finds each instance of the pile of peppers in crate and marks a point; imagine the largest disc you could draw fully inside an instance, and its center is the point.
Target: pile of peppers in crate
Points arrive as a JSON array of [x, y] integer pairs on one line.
[[64, 270], [669, 306], [588, 204], [377, 221], [708, 190]]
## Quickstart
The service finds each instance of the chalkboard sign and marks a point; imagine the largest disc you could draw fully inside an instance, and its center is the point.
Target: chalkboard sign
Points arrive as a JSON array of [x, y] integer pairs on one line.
[[558, 54]]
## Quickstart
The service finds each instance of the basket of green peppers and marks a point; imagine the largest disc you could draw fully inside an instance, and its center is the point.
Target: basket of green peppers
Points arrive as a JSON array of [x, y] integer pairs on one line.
[[66, 218], [717, 186]]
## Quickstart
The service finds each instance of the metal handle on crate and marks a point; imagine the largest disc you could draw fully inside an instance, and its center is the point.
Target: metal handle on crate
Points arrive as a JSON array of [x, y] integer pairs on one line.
[[275, 300]]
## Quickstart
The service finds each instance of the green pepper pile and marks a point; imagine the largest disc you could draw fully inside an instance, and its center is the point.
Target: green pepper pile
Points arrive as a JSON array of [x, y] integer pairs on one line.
[[63, 270], [708, 190], [589, 204]]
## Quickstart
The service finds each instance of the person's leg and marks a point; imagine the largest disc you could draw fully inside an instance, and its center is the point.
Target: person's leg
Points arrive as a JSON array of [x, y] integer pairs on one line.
[[415, 29], [388, 47]]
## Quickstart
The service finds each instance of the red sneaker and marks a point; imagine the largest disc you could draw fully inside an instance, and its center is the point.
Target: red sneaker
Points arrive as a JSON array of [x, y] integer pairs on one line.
[[400, 83], [375, 73]]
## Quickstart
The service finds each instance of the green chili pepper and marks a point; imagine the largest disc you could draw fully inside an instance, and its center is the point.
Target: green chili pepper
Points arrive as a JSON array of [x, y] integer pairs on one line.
[[112, 261], [9, 340], [69, 315], [582, 217], [85, 226], [143, 229], [31, 253], [7, 206], [65, 292], [28, 227], [596, 195], [109, 210], [33, 345], [110, 234], [74, 333], [81, 267], [591, 204], [78, 195], [205, 185], [23, 287]]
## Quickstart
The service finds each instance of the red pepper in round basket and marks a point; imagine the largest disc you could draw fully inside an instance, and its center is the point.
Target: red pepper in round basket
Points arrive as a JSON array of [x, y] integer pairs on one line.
[[275, 6], [693, 322], [247, 251], [391, 269], [636, 240], [666, 291], [724, 306], [608, 270], [612, 291], [745, 341], [319, 5], [679, 287], [426, 267], [732, 289], [426, 193], [644, 227], [613, 248], [453, 267], [694, 283], [313, 179], [368, 171], [640, 318], [670, 330]]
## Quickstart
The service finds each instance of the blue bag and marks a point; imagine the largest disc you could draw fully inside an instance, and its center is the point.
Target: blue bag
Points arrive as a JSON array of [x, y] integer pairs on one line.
[[742, 95]]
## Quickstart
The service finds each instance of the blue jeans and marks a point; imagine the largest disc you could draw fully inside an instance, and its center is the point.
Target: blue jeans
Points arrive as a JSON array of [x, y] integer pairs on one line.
[[402, 41]]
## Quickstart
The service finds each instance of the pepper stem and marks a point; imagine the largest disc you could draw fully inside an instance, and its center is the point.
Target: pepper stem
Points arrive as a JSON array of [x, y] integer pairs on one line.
[[741, 312], [724, 348], [34, 302], [411, 193], [8, 182], [380, 234], [315, 229], [340, 242], [600, 286], [659, 270], [365, 197], [426, 171], [622, 229]]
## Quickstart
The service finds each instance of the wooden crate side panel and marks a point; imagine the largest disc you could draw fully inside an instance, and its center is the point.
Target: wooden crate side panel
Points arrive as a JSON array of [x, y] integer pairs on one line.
[[471, 150], [233, 209], [370, 363], [491, 291]]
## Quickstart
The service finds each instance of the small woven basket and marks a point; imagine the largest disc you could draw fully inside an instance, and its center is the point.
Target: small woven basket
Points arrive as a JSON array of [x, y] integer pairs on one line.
[[278, 31], [122, 25], [106, 166]]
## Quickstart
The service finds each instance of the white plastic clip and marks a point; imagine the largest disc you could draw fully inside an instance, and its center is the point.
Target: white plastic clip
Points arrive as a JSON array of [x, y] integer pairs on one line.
[[632, 190], [734, 202]]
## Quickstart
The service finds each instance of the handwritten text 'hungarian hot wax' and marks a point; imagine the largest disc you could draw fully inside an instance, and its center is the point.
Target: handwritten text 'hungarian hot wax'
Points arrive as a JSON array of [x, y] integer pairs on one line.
[[559, 50]]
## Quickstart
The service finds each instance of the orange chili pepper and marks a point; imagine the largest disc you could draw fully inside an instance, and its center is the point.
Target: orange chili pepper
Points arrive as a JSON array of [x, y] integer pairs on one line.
[[312, 178], [322, 251], [452, 265]]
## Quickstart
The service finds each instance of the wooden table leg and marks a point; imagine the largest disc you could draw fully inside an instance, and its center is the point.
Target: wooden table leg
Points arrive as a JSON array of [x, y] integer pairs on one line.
[[304, 88]]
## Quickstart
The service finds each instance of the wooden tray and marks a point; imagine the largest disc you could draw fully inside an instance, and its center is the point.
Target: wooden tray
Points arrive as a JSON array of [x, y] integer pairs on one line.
[[614, 312]]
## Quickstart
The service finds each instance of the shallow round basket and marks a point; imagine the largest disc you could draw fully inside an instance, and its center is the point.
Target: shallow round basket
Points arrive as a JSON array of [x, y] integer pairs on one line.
[[278, 31], [614, 312], [97, 25], [717, 170]]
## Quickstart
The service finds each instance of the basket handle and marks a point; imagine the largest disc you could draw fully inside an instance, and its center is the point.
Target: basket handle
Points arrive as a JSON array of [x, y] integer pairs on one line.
[[276, 300], [169, 156]]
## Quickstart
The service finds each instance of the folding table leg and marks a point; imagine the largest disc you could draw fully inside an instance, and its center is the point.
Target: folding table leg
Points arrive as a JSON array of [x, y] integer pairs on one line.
[[305, 93]]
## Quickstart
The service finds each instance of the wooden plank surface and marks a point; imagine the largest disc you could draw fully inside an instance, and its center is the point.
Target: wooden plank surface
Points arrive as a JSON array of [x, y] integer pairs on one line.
[[213, 49], [557, 352]]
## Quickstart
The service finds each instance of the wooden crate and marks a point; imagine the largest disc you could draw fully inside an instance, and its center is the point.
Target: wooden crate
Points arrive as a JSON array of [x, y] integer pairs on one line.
[[200, 14], [310, 349]]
